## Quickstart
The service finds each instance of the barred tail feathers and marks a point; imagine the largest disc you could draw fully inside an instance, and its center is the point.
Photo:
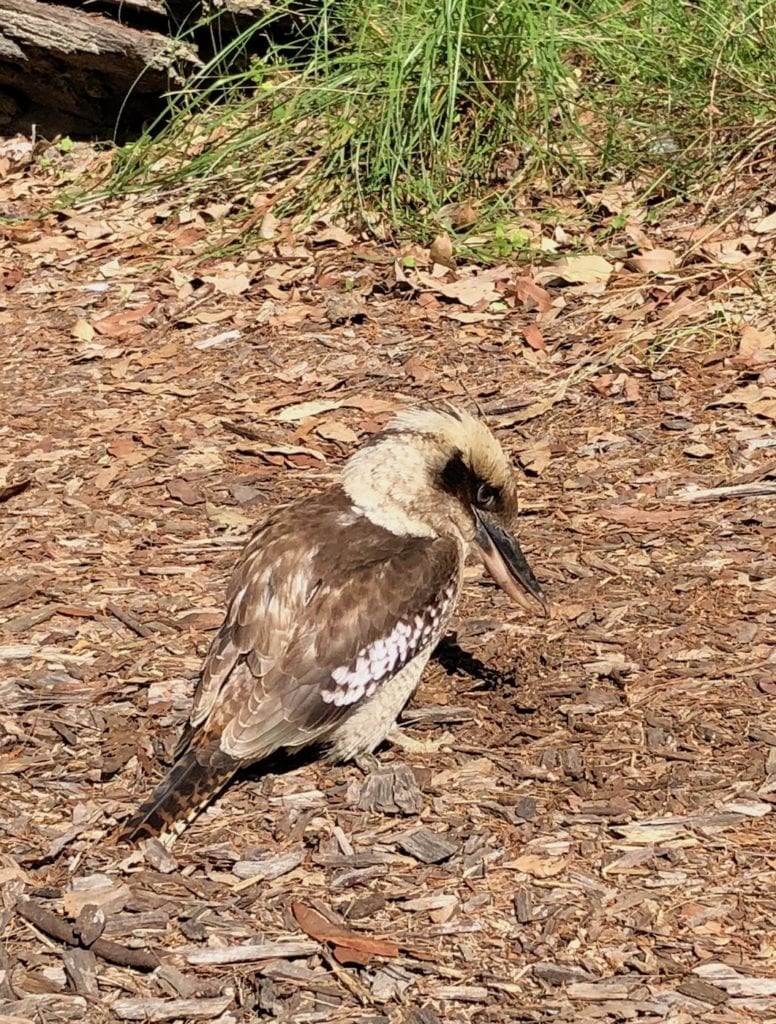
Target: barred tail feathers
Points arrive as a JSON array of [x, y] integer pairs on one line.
[[195, 779]]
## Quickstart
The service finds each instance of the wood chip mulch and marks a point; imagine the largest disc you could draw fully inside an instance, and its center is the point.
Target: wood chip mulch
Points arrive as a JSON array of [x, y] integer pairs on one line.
[[579, 826]]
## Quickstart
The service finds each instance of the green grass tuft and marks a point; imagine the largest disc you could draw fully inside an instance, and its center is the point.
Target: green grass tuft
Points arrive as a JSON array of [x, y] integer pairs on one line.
[[395, 109]]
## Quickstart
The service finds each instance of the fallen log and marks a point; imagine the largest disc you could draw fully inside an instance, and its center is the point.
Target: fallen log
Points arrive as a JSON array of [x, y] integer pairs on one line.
[[69, 72]]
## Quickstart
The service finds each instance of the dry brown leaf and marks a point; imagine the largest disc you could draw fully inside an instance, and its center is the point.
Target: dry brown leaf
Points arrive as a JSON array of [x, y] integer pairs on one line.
[[740, 396], [230, 518], [302, 410], [344, 307], [98, 891], [10, 278], [469, 291], [754, 341], [415, 368], [532, 411], [631, 389], [441, 251], [305, 410], [536, 458], [462, 316], [698, 450], [371, 405], [348, 955], [47, 244], [584, 269], [123, 324], [188, 238], [336, 235], [614, 198], [83, 330], [533, 337], [532, 295], [229, 281], [105, 477], [765, 408], [10, 871], [269, 225], [335, 430], [766, 225], [632, 516], [459, 215], [317, 927], [654, 261], [122, 447], [759, 401]]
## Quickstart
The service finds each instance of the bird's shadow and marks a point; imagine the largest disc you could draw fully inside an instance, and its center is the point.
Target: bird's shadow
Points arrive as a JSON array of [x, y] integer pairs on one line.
[[280, 763], [457, 661]]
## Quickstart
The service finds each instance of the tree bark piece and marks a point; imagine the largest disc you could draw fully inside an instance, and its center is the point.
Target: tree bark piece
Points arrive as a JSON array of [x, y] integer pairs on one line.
[[426, 846]]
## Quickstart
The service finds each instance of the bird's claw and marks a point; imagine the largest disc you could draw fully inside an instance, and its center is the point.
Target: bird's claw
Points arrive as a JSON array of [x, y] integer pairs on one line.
[[399, 738]]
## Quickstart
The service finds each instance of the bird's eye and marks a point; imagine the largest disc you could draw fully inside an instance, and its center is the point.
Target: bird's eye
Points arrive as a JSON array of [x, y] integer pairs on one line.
[[486, 496]]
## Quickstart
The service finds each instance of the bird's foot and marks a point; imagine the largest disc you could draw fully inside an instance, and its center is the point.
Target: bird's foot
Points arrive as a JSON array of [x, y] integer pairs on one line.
[[412, 746], [367, 763]]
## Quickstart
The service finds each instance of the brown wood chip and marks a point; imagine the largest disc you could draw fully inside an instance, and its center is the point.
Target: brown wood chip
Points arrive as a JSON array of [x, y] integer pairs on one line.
[[14, 593], [427, 846], [81, 968], [90, 924], [696, 988], [251, 951], [391, 790], [523, 901]]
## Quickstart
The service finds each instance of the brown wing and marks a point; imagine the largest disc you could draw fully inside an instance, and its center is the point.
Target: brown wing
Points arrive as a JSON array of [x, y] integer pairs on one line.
[[314, 626]]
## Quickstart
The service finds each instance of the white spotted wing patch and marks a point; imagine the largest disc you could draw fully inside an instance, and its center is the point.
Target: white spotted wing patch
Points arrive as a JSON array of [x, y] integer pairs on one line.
[[380, 660]]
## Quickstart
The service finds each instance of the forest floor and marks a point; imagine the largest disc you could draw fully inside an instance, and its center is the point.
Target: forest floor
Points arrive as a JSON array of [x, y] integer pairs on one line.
[[593, 839]]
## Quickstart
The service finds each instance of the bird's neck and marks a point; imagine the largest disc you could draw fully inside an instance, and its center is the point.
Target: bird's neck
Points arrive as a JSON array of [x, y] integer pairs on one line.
[[388, 483]]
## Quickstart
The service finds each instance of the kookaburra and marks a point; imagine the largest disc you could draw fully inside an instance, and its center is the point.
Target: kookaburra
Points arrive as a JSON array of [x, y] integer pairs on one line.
[[337, 602]]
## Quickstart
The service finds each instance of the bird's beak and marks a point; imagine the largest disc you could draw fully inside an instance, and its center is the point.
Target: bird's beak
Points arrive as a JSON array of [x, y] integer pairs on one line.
[[506, 563]]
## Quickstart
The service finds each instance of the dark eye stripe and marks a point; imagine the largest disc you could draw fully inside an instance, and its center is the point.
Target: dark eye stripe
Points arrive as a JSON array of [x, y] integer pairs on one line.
[[456, 478]]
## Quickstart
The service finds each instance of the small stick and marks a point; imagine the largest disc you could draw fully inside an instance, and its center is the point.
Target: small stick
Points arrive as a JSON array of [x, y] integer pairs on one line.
[[251, 951], [53, 926], [250, 433], [763, 489], [129, 620]]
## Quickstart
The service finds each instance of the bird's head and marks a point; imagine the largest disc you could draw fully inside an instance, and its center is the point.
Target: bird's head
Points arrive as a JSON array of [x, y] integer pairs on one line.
[[441, 472]]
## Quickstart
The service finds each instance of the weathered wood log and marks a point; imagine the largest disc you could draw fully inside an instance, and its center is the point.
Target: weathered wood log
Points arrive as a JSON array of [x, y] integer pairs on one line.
[[70, 72]]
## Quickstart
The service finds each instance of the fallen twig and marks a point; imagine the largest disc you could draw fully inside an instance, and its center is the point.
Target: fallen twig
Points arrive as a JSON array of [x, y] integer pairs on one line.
[[251, 951], [53, 926], [171, 1009], [242, 430], [762, 489], [128, 620]]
